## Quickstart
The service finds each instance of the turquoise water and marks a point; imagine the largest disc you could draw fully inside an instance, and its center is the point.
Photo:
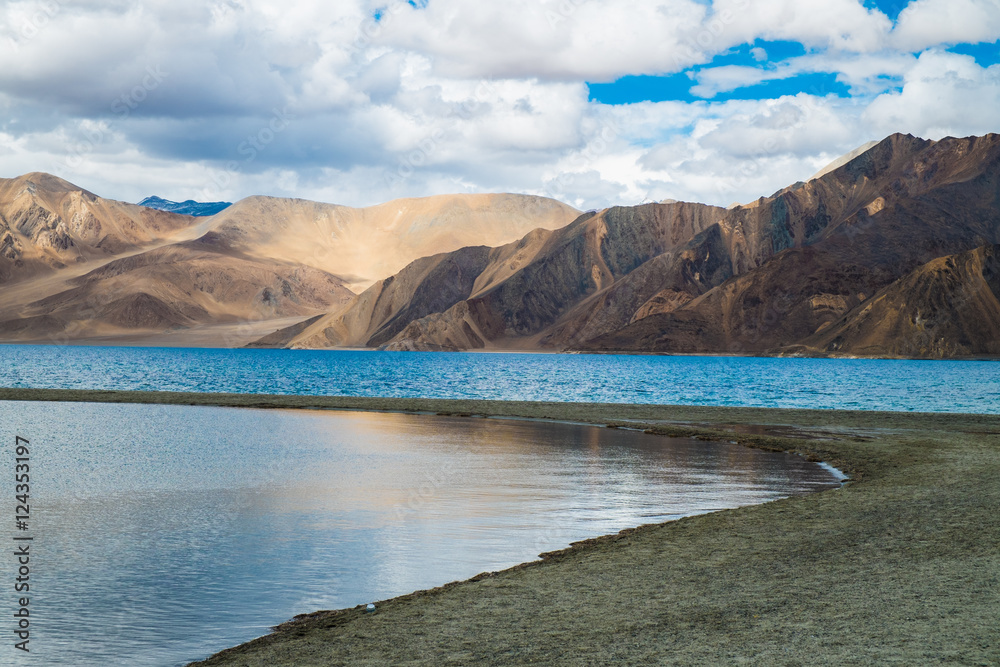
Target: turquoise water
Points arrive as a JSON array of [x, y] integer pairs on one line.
[[163, 534], [859, 384]]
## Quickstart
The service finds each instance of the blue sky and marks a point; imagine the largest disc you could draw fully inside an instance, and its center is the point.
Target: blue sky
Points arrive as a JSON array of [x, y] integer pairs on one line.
[[761, 54], [985, 53], [766, 56], [594, 102], [890, 8]]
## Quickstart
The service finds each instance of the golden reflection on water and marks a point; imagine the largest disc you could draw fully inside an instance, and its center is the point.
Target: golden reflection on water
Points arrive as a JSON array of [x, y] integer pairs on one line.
[[404, 466]]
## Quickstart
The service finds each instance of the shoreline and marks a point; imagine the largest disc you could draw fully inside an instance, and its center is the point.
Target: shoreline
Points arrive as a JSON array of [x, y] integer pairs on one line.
[[901, 564], [475, 407], [152, 343]]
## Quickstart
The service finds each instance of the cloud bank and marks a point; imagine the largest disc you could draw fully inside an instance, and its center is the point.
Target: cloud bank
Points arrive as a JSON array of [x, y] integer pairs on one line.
[[358, 102]]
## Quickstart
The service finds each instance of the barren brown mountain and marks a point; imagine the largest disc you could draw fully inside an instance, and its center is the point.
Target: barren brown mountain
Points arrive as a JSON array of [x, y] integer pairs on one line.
[[79, 267], [948, 307], [685, 278], [174, 288], [903, 203], [48, 224]]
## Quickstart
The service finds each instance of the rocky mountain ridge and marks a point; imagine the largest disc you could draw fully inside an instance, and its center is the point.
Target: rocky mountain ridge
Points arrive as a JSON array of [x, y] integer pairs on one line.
[[48, 224], [891, 251], [765, 278]]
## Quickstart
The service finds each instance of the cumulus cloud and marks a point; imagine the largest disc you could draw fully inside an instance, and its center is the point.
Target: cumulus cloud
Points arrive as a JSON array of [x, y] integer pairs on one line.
[[595, 40], [944, 94], [836, 24], [217, 58], [740, 150], [926, 23]]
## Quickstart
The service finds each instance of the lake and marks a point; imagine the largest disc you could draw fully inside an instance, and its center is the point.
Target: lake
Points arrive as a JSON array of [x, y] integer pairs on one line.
[[165, 533], [848, 384]]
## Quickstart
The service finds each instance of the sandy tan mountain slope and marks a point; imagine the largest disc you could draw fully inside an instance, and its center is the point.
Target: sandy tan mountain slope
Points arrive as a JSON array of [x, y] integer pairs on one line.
[[425, 287], [75, 266], [364, 245], [47, 224], [513, 291], [176, 287], [80, 267]]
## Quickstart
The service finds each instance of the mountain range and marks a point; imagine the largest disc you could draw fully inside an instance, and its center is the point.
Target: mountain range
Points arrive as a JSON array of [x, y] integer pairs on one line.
[[76, 267], [891, 251]]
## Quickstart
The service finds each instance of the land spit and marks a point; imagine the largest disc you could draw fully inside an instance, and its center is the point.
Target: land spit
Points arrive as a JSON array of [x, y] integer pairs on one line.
[[899, 566]]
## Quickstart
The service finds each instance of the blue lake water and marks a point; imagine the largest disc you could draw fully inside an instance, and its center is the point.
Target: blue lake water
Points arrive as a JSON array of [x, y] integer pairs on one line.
[[162, 534], [859, 384], [166, 533]]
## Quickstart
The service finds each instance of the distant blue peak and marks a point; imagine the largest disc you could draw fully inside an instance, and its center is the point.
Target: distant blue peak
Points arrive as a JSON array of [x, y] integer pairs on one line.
[[189, 207]]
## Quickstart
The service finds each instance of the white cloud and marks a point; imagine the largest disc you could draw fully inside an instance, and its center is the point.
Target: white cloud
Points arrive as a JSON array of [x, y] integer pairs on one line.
[[741, 150], [461, 96], [926, 23], [555, 39], [944, 94], [221, 57], [727, 78], [836, 24], [865, 74]]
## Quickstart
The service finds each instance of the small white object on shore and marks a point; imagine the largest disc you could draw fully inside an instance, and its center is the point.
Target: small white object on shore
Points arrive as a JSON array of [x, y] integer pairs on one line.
[[371, 607]]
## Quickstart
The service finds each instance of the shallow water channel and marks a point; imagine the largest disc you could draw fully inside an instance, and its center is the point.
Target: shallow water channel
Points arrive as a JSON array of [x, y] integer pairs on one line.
[[162, 534]]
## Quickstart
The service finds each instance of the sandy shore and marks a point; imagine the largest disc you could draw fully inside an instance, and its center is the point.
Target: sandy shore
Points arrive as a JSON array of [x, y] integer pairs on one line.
[[900, 566]]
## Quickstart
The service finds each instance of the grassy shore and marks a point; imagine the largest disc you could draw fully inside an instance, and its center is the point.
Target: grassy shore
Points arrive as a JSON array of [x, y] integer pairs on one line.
[[900, 566]]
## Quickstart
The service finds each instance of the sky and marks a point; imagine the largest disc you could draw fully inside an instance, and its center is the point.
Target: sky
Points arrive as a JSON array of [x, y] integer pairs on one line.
[[592, 102]]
